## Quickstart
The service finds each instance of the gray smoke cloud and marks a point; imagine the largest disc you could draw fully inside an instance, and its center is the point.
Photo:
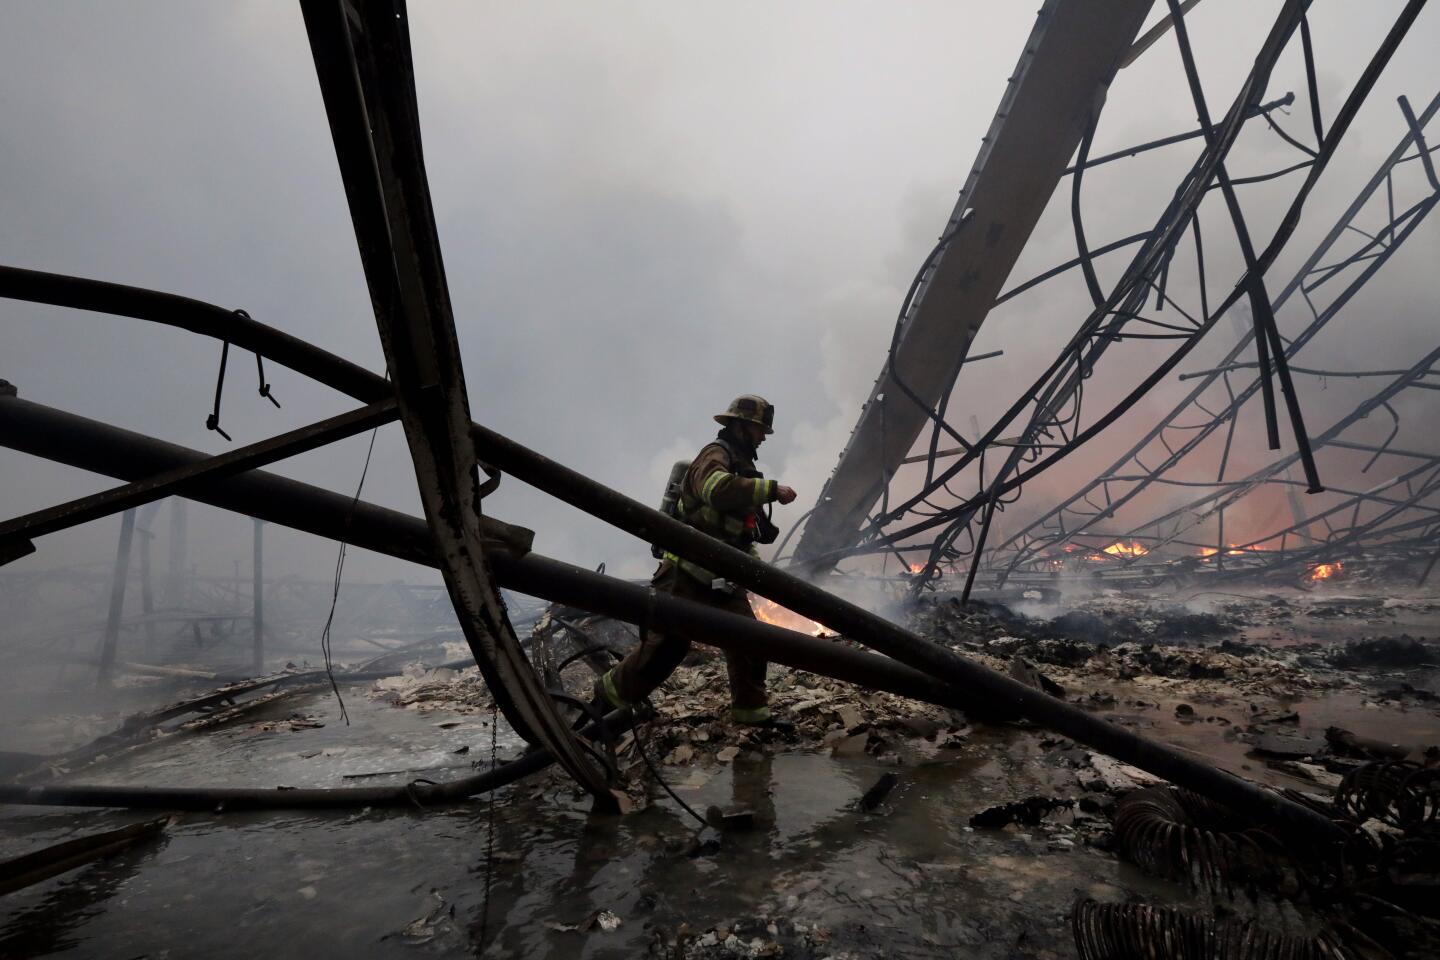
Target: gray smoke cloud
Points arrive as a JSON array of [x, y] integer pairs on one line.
[[645, 210]]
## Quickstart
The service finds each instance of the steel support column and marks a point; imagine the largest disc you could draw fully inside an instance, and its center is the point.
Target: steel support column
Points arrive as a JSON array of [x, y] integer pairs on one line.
[[117, 599]]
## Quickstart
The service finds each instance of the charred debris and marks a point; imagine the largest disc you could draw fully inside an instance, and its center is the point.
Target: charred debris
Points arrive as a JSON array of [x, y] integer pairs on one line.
[[1182, 736]]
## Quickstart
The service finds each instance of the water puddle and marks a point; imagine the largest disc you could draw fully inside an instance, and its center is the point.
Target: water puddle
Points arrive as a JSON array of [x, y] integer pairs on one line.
[[535, 875]]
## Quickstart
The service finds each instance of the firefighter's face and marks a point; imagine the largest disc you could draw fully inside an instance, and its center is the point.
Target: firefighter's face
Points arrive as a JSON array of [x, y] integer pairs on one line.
[[752, 432]]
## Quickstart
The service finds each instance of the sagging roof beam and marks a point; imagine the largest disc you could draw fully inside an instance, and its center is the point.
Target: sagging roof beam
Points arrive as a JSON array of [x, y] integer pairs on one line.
[[1070, 58]]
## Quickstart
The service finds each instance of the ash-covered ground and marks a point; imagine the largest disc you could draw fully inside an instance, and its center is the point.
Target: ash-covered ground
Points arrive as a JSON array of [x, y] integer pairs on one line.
[[880, 828]]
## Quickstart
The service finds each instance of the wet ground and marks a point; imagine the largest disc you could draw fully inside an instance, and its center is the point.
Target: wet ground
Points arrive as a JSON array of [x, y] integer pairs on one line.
[[911, 879], [534, 875]]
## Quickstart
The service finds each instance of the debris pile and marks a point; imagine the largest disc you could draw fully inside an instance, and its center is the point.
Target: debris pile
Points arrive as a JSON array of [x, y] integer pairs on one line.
[[425, 688], [1104, 620]]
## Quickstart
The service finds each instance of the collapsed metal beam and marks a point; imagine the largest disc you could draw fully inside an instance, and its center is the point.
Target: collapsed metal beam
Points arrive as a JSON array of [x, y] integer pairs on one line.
[[84, 443], [1196, 511], [90, 445], [1067, 520], [1058, 388], [1147, 271], [362, 59], [1069, 59], [176, 482]]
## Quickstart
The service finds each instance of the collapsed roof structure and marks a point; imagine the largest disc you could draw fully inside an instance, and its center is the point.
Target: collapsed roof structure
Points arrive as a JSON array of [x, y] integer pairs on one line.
[[877, 503], [362, 55]]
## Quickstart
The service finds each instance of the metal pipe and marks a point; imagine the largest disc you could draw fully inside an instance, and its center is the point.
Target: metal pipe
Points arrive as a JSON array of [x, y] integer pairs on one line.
[[232, 799], [650, 609], [90, 445], [168, 482]]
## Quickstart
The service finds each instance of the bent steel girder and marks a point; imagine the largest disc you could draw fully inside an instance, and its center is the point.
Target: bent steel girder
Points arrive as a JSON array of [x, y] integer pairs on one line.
[[1129, 476], [362, 58], [80, 442], [1068, 61]]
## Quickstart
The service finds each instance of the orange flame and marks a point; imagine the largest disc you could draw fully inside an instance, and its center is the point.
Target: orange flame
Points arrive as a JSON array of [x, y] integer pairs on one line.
[[1324, 571], [917, 568], [1230, 551], [1122, 549], [771, 612]]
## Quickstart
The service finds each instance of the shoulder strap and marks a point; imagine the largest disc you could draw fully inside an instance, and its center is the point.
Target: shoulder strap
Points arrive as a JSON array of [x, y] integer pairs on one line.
[[724, 444]]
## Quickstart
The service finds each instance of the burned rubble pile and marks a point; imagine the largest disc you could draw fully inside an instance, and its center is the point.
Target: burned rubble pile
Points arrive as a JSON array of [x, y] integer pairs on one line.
[[1114, 658], [1124, 638], [1208, 679]]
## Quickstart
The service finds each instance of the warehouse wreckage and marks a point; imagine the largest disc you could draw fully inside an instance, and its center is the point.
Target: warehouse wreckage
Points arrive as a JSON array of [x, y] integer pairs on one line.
[[362, 57]]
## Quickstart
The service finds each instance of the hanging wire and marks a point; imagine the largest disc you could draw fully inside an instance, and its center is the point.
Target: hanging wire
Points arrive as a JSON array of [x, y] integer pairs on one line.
[[212, 422], [339, 570]]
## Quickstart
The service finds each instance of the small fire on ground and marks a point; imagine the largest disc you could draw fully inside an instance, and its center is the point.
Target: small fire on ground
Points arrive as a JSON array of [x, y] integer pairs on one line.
[[771, 612], [1324, 571]]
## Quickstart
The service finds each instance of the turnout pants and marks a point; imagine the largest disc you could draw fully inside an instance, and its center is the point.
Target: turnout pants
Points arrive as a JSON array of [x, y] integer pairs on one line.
[[657, 656]]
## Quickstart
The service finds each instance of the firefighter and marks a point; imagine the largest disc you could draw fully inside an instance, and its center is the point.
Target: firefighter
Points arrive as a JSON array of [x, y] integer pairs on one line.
[[723, 495]]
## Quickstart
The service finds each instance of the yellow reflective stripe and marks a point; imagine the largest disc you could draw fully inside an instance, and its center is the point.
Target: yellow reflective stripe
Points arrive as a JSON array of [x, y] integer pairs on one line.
[[693, 569], [750, 714], [715, 519], [607, 684], [707, 489], [762, 491]]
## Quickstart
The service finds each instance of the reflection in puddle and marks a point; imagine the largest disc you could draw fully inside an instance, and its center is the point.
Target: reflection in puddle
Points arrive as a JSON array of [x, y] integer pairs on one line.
[[811, 872]]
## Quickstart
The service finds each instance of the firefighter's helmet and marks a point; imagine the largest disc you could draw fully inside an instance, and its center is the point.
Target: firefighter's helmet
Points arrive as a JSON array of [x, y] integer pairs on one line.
[[752, 408]]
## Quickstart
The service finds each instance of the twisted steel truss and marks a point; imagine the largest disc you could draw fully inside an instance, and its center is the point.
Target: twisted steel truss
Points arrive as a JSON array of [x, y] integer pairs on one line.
[[1341, 265], [931, 528]]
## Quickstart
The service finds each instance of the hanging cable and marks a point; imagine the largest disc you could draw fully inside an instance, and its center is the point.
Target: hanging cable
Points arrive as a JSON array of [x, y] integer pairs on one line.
[[212, 422], [339, 570]]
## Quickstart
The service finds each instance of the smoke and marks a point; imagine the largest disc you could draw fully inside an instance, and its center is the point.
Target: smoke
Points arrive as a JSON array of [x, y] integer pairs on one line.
[[644, 213]]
